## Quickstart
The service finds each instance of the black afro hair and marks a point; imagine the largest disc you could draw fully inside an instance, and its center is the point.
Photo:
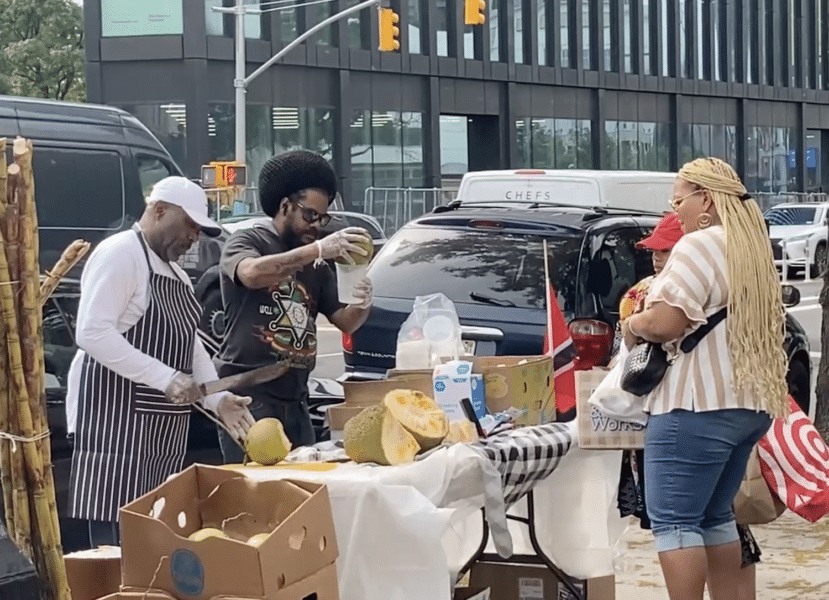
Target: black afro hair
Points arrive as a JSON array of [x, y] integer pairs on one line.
[[292, 172]]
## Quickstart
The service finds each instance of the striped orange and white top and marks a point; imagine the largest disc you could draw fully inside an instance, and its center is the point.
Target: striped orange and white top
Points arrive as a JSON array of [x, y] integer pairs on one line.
[[695, 279]]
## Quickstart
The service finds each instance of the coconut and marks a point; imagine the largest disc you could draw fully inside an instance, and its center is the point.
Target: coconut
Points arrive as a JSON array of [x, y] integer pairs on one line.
[[376, 436], [266, 442], [420, 415]]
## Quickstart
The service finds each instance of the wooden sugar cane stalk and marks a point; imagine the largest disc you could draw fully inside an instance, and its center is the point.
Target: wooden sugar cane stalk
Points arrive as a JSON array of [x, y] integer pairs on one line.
[[51, 578], [5, 397], [70, 257], [21, 529], [30, 327]]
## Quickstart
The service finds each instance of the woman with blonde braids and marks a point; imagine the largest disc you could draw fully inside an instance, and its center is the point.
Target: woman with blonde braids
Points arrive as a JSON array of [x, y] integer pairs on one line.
[[716, 401]]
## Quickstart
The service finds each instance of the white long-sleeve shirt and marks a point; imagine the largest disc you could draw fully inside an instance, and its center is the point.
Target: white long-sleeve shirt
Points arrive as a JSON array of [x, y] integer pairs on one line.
[[115, 294]]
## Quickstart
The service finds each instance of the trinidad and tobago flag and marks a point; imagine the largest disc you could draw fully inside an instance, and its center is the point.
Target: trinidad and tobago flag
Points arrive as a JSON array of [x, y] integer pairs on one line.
[[559, 345]]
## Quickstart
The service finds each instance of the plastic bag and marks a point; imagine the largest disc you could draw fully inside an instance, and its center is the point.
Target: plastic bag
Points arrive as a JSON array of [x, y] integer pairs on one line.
[[613, 401], [430, 335]]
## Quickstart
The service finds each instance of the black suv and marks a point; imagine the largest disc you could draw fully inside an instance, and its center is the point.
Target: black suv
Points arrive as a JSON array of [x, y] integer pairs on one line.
[[488, 259]]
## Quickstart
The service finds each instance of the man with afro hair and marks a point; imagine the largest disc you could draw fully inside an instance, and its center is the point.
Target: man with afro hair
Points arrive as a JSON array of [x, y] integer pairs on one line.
[[275, 281]]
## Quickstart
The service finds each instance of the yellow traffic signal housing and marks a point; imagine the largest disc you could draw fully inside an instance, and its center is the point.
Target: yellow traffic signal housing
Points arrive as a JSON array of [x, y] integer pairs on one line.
[[222, 174], [389, 31], [474, 12]]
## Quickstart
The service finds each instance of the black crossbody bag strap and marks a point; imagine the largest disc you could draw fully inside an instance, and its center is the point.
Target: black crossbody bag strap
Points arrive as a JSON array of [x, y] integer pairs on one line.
[[690, 342]]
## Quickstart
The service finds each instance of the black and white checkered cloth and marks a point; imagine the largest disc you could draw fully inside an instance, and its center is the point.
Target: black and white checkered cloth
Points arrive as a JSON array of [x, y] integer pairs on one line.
[[526, 456]]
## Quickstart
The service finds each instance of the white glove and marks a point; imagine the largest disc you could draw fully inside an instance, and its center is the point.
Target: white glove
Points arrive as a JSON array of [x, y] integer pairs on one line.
[[364, 292], [233, 412], [182, 389], [341, 242]]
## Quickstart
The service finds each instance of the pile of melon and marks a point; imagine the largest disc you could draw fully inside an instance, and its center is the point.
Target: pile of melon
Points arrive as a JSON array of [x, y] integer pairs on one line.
[[404, 424]]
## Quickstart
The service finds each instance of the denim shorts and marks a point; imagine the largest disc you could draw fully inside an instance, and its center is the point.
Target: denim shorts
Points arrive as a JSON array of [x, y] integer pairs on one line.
[[694, 463]]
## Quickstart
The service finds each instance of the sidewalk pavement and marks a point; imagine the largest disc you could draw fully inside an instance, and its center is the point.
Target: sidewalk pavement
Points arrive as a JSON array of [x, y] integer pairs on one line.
[[794, 562]]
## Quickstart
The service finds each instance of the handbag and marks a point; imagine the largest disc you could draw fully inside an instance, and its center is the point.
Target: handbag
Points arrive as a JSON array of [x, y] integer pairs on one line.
[[648, 362], [755, 503]]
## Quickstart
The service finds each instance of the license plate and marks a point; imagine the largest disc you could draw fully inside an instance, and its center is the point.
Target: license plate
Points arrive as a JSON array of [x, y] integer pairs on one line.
[[469, 346]]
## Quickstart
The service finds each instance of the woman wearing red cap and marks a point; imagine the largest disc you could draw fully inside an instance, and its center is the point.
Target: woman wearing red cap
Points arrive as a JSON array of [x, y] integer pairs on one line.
[[631, 501]]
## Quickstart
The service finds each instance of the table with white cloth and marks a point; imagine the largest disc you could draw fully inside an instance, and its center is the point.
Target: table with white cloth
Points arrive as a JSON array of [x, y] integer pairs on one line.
[[406, 532]]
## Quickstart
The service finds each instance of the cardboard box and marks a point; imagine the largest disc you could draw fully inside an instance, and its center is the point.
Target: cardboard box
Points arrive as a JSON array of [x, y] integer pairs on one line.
[[468, 593], [321, 585], [508, 581], [596, 430], [156, 552], [455, 381], [369, 393], [93, 573], [520, 382], [339, 414]]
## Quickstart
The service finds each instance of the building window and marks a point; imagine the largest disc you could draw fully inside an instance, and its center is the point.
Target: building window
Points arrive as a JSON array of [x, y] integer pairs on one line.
[[415, 27], [152, 17], [668, 41], [518, 29], [223, 24], [566, 58], [542, 33], [716, 40], [629, 29], [317, 13], [647, 68], [359, 28], [495, 31], [587, 15], [554, 143], [289, 24], [442, 27], [700, 32], [167, 122], [386, 151], [633, 145], [771, 161], [610, 37]]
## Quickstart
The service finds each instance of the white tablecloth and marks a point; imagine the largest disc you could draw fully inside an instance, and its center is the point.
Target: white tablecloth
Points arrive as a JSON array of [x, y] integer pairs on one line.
[[404, 532]]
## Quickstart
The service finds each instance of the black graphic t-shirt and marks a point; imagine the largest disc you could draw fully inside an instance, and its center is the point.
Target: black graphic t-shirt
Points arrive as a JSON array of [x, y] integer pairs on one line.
[[263, 326]]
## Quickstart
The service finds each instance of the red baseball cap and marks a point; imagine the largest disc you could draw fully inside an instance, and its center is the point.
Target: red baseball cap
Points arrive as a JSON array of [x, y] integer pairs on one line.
[[665, 235]]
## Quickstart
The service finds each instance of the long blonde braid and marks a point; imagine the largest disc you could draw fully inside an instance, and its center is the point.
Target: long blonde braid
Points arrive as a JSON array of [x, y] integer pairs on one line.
[[755, 308]]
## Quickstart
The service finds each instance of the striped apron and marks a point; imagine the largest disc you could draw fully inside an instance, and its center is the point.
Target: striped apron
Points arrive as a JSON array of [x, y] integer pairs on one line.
[[128, 438]]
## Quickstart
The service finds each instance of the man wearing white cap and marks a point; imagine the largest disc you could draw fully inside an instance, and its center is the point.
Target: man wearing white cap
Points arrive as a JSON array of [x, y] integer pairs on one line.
[[135, 375]]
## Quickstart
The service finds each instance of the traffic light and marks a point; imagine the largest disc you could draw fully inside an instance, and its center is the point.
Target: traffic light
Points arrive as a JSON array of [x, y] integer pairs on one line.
[[473, 12], [389, 31], [222, 174]]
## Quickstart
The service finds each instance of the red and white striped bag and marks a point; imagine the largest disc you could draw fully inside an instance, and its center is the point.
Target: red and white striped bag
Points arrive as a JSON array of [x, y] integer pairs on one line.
[[794, 460]]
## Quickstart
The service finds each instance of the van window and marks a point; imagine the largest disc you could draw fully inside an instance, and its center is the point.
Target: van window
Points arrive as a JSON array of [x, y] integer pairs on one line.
[[151, 170], [617, 267], [78, 189]]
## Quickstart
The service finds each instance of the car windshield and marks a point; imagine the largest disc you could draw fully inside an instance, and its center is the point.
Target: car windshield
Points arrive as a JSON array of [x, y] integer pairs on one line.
[[791, 215], [470, 266]]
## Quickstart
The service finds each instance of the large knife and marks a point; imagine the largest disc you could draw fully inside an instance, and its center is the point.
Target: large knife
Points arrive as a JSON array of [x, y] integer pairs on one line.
[[246, 379]]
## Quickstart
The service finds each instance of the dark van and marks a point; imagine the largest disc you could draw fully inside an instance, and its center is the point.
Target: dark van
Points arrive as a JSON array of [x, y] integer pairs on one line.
[[93, 166]]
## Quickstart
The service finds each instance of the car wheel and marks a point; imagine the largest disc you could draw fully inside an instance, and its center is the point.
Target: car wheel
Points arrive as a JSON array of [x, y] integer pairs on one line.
[[819, 265], [799, 384], [213, 317]]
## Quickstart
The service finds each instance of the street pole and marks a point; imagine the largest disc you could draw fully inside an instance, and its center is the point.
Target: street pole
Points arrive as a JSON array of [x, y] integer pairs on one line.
[[239, 83]]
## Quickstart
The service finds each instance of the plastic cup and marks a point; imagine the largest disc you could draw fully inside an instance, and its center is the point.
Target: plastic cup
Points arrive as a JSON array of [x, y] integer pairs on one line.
[[349, 276]]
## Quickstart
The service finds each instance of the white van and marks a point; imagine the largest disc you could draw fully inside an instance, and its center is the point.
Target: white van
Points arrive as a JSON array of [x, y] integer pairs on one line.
[[646, 191]]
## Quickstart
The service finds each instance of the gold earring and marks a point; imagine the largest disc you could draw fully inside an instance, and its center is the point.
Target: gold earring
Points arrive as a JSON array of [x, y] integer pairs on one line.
[[704, 221]]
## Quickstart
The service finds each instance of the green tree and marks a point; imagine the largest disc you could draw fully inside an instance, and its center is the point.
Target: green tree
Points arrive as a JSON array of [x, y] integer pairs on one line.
[[42, 49]]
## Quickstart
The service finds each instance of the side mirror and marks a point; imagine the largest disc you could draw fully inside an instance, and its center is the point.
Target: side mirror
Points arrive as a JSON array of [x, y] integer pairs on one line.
[[791, 296]]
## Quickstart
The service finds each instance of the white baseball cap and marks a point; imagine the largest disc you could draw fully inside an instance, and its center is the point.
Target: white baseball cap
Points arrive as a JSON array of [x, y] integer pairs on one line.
[[182, 192]]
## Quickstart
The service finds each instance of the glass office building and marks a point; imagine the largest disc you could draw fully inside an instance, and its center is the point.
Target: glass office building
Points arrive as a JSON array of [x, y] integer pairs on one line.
[[608, 84]]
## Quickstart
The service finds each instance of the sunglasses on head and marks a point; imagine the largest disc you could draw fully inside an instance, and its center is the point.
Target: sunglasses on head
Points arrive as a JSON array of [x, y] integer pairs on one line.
[[310, 216]]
